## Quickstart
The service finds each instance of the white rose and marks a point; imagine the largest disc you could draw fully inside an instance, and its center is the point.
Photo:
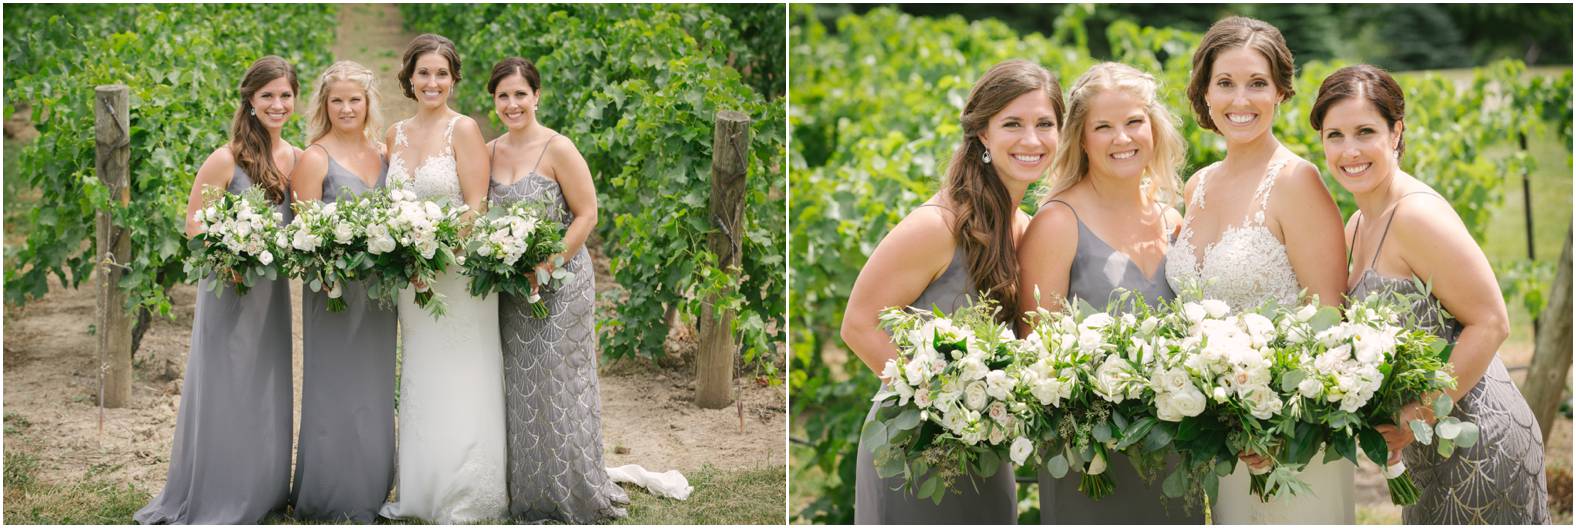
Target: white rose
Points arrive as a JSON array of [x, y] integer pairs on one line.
[[974, 396], [1020, 450], [1171, 380], [1263, 403], [1048, 391], [1216, 308], [1089, 341], [998, 385], [1111, 379], [997, 435], [1260, 329], [265, 258], [1310, 387], [1098, 320], [1194, 312], [973, 367], [343, 233], [1188, 402]]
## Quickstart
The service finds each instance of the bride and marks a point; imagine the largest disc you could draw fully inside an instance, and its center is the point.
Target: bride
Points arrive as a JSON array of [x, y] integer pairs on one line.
[[451, 419], [1260, 226]]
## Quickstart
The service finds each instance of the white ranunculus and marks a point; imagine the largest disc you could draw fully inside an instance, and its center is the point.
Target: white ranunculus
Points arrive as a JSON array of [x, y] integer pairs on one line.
[[974, 396], [1020, 450]]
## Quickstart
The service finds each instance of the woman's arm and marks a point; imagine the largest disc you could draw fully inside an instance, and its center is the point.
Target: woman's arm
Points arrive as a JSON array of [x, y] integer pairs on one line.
[[574, 179], [216, 171], [471, 163], [917, 251], [1310, 226], [1045, 260]]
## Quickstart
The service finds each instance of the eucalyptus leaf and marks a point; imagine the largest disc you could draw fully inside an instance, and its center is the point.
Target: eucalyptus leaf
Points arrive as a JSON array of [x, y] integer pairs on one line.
[[1056, 466], [1442, 405], [1421, 432], [1176, 483], [1468, 436]]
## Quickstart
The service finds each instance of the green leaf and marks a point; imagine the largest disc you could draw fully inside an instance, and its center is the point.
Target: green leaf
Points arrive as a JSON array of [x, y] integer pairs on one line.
[[1290, 379], [1442, 405], [987, 463], [874, 435], [1421, 432], [928, 488], [1468, 436], [1176, 483], [1136, 431], [909, 419], [1373, 445], [1159, 437], [1057, 466]]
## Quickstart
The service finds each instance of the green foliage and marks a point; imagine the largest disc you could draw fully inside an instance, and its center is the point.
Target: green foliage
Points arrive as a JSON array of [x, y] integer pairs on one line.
[[874, 118], [182, 64], [637, 87]]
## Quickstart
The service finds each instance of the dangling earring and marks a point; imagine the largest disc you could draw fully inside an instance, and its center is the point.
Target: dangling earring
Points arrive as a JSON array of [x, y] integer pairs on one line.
[[254, 111], [985, 157]]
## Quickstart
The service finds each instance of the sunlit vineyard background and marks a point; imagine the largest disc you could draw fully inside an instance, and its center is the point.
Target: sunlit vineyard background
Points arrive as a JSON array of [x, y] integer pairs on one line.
[[874, 116]]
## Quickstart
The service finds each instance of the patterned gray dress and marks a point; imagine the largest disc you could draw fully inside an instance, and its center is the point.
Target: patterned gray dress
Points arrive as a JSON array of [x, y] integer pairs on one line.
[[345, 451], [1098, 270], [231, 460], [1500, 480], [975, 500], [551, 401]]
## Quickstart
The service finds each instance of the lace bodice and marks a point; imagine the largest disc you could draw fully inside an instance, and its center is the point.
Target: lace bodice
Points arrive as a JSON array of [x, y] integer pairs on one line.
[[436, 178], [1246, 266]]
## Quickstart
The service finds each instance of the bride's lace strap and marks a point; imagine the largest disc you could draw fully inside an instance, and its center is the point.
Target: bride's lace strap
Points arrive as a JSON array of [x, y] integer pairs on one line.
[[399, 135], [448, 135], [1198, 190], [1262, 194]]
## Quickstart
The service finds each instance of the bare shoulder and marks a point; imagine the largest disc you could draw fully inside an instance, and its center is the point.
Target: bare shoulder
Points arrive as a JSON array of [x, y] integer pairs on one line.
[[467, 127], [923, 238], [1056, 220], [314, 155], [1423, 218], [220, 158], [562, 144], [1302, 178]]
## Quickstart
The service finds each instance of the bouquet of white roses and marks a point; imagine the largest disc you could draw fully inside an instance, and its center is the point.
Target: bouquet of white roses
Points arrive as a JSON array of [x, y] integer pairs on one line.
[[328, 246], [240, 240], [1097, 380], [959, 404], [1365, 370], [410, 241], [504, 249]]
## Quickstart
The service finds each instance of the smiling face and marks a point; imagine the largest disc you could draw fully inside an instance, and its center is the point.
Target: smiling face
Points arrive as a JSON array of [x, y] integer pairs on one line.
[[1118, 138], [1359, 148], [347, 105], [515, 102], [431, 80], [274, 103], [1241, 96], [1021, 138]]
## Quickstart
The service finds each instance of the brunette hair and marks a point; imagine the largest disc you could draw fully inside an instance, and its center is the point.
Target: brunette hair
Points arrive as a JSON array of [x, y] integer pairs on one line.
[[1366, 82], [422, 45], [1072, 161], [250, 143], [985, 211], [1238, 32], [512, 66], [319, 125]]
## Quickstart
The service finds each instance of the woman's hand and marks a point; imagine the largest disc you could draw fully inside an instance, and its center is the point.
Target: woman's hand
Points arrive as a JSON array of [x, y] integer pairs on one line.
[[1399, 436], [1257, 464]]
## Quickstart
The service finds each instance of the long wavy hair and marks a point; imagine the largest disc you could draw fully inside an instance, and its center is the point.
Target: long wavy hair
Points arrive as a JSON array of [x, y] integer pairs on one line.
[[1071, 163], [320, 123], [985, 210], [250, 143]]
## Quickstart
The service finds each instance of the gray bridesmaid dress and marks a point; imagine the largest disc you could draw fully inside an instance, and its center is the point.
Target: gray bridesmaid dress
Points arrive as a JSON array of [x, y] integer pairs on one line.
[[552, 405], [1500, 480], [973, 500], [231, 460], [345, 452], [1097, 271]]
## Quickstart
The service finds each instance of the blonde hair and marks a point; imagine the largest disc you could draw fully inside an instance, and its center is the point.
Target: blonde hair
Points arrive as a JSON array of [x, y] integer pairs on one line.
[[1071, 161], [319, 125]]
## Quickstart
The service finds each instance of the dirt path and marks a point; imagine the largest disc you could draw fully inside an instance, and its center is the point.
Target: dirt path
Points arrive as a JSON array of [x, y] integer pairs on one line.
[[50, 381]]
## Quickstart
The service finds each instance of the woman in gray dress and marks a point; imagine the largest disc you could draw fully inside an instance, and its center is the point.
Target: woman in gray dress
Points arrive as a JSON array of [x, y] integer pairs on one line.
[[231, 460], [1414, 234], [961, 241], [345, 449], [1105, 225], [552, 405]]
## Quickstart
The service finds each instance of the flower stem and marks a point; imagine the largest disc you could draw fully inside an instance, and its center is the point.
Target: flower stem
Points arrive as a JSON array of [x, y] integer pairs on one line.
[[1403, 492]]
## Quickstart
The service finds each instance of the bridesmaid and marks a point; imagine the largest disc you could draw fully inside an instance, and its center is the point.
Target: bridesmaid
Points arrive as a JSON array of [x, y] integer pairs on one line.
[[1260, 226], [345, 451], [961, 241], [554, 413], [1415, 234], [231, 460], [1108, 229]]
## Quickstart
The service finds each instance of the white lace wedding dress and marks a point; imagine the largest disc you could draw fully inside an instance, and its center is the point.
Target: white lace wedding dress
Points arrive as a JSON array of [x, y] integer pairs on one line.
[[451, 418], [1246, 266]]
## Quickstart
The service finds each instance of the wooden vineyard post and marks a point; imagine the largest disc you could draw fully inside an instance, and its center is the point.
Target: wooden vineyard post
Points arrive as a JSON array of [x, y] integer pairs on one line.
[[112, 129], [730, 149], [1551, 356]]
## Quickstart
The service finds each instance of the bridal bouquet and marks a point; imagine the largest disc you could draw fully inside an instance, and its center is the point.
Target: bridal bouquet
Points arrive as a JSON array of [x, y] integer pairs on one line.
[[410, 242], [239, 241], [959, 401], [328, 246], [1365, 370], [1100, 388], [504, 248]]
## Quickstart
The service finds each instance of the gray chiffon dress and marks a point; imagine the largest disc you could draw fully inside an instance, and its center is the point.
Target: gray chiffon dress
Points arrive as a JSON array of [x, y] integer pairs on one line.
[[345, 449], [552, 405], [1098, 270], [1500, 480], [972, 500], [230, 463]]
